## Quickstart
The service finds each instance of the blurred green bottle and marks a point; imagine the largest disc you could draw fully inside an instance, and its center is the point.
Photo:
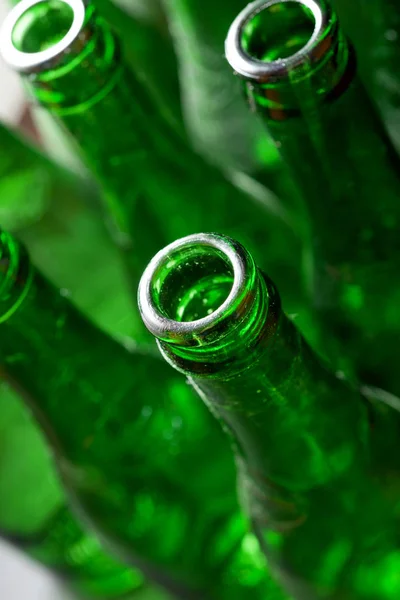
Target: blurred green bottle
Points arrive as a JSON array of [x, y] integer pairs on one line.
[[143, 33], [144, 465], [308, 472], [145, 38], [34, 515], [27, 182], [156, 188], [374, 29], [299, 72], [219, 125], [216, 117], [33, 511], [55, 213]]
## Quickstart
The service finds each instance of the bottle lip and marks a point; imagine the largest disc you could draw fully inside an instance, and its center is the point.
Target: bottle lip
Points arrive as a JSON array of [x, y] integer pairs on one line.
[[259, 71], [35, 62], [200, 331]]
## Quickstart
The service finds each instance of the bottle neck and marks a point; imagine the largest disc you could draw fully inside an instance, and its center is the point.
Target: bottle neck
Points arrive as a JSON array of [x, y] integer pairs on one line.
[[92, 398], [207, 304], [250, 364], [299, 73], [83, 80], [79, 71], [55, 46], [279, 46]]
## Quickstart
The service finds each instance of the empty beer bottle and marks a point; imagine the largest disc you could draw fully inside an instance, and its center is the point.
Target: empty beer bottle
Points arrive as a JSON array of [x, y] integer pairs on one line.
[[143, 43], [307, 470], [144, 37], [34, 515], [300, 75], [157, 187], [143, 464]]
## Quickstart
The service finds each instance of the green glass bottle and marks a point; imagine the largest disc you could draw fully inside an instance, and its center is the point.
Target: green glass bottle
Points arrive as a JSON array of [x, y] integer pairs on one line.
[[307, 468], [216, 117], [55, 214], [157, 187], [27, 182], [45, 205], [34, 515], [299, 73], [143, 464], [144, 38], [148, 49]]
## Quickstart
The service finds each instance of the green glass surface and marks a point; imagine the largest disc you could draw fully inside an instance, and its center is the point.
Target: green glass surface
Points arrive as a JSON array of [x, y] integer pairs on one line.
[[55, 214], [373, 27], [309, 471], [332, 140], [46, 206], [215, 114], [72, 247], [156, 187], [34, 515], [26, 182], [150, 11], [144, 465], [147, 49]]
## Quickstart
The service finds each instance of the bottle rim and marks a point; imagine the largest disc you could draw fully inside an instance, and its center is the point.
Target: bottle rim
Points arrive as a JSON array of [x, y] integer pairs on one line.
[[196, 332], [33, 62], [259, 71]]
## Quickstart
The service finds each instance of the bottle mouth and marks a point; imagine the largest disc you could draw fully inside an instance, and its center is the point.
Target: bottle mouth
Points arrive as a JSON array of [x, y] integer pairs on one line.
[[37, 34], [270, 38], [195, 288]]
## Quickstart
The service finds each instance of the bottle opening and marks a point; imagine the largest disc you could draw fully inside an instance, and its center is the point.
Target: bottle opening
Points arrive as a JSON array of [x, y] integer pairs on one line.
[[278, 31], [195, 283], [36, 34], [194, 287], [42, 26], [269, 38]]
